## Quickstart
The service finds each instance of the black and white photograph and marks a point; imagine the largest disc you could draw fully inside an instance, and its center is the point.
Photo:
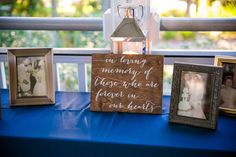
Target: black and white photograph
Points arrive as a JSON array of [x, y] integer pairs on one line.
[[195, 95], [194, 100], [31, 79], [31, 76], [228, 86]]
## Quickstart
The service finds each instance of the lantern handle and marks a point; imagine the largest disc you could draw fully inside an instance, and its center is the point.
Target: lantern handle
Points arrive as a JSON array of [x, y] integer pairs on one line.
[[118, 10], [142, 11]]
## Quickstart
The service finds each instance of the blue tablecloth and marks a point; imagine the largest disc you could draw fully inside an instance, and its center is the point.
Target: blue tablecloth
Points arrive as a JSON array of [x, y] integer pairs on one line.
[[68, 128]]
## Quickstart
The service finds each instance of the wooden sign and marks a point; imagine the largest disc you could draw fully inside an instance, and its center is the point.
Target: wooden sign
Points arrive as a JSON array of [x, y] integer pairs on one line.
[[127, 83]]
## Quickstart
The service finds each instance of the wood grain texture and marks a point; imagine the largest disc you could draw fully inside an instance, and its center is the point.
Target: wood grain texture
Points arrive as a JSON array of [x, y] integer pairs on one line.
[[127, 83]]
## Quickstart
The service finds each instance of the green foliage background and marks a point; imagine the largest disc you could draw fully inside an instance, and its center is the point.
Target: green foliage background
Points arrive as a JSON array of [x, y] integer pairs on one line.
[[91, 8], [33, 8]]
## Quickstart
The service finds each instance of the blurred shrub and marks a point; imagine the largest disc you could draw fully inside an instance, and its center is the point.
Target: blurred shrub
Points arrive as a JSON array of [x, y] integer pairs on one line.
[[75, 39], [169, 35], [188, 35], [43, 8], [178, 35], [174, 13]]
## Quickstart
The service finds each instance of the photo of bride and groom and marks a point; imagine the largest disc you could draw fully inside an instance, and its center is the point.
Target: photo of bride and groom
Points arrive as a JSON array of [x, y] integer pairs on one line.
[[31, 78], [194, 98]]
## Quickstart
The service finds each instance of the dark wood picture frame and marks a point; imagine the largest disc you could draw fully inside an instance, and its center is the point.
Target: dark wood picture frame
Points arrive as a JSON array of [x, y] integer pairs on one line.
[[220, 61], [209, 78], [43, 55]]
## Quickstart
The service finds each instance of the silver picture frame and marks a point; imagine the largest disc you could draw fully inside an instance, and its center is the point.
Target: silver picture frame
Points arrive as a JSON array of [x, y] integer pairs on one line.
[[195, 95]]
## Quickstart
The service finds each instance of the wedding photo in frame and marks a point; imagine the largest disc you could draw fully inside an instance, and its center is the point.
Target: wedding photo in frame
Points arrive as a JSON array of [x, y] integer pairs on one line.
[[228, 87], [31, 78], [195, 95]]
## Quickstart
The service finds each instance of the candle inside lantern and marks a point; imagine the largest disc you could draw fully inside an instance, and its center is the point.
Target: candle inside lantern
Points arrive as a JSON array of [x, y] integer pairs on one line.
[[128, 47]]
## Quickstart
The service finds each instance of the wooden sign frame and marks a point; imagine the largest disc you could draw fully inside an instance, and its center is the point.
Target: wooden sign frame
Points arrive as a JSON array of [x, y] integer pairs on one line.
[[127, 83]]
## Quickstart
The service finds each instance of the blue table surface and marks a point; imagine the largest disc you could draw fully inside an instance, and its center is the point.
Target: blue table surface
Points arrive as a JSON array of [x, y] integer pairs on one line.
[[70, 119]]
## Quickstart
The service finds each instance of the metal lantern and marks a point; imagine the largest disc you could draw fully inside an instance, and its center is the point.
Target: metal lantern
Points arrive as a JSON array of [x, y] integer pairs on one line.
[[128, 38]]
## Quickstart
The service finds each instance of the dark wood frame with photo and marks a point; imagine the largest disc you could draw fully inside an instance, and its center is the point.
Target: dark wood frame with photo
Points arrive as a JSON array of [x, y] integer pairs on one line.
[[219, 60], [216, 79], [13, 76]]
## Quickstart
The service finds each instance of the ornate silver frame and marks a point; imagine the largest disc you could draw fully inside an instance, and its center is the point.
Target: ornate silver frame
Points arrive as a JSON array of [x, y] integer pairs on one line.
[[216, 79]]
